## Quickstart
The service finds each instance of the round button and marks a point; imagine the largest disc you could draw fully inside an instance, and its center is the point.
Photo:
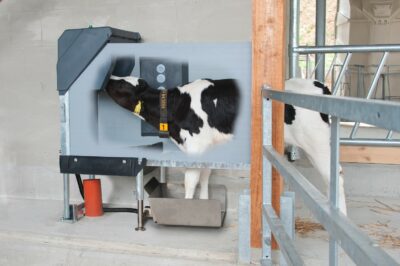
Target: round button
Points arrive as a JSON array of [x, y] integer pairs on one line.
[[160, 68], [160, 78]]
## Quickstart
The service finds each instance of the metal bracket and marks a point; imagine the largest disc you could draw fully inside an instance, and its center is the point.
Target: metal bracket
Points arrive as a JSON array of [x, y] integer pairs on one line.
[[76, 212], [141, 214], [287, 217], [293, 153], [265, 262], [244, 251]]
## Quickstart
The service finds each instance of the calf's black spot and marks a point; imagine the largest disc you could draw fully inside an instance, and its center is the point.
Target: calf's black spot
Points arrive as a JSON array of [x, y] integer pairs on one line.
[[222, 115], [182, 116], [325, 91], [290, 114]]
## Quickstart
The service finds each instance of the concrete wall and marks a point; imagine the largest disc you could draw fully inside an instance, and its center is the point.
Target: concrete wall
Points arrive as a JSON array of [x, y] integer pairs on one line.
[[29, 116]]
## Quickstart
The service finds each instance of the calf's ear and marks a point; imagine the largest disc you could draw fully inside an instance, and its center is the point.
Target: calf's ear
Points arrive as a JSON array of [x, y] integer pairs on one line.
[[122, 93], [141, 87]]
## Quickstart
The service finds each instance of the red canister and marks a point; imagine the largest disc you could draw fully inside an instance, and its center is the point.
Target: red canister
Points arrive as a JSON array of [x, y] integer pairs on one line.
[[93, 199]]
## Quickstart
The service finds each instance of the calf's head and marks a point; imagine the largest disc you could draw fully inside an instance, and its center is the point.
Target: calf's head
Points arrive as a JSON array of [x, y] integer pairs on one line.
[[126, 91]]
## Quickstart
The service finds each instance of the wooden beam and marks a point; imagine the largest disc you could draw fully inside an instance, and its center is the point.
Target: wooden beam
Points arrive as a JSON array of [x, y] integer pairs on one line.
[[369, 154], [268, 58]]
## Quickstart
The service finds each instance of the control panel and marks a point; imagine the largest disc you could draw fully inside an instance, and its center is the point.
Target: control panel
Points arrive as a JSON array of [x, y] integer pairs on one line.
[[161, 73]]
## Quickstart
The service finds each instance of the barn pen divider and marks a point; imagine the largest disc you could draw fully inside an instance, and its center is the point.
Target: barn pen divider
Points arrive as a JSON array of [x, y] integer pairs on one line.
[[349, 50], [342, 231], [318, 71]]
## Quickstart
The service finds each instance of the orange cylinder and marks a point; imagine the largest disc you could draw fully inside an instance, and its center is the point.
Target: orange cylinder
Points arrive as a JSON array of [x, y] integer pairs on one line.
[[93, 199]]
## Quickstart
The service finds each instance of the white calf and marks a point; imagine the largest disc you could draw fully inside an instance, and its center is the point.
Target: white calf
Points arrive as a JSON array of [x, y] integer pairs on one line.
[[202, 114], [305, 129]]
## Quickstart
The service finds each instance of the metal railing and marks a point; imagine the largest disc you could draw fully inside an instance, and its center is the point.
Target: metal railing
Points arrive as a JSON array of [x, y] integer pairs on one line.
[[320, 51], [349, 50], [356, 76], [361, 73], [359, 247]]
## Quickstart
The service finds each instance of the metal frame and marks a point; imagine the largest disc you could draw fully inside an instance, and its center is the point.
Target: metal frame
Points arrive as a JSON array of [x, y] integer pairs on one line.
[[320, 18], [320, 50], [244, 250], [354, 242], [140, 200], [362, 71], [71, 213]]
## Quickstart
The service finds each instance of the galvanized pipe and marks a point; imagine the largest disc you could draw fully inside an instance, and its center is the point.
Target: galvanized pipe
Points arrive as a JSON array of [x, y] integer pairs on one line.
[[331, 66], [374, 83], [334, 183], [372, 88], [244, 249], [389, 135], [139, 186], [288, 249], [330, 49], [360, 82], [67, 212], [287, 219], [379, 113], [383, 86], [316, 66], [294, 37], [267, 177], [341, 73], [334, 174], [354, 242], [320, 20], [371, 142], [163, 179], [140, 198]]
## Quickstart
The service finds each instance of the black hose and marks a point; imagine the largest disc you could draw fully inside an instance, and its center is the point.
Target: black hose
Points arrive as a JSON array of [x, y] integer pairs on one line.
[[132, 210], [105, 209], [80, 185]]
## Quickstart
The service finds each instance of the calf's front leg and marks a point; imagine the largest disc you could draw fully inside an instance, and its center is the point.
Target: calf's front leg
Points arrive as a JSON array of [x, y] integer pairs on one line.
[[204, 177], [192, 177]]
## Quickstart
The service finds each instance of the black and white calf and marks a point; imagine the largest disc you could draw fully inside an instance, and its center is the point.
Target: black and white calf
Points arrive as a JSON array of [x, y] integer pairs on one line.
[[202, 114]]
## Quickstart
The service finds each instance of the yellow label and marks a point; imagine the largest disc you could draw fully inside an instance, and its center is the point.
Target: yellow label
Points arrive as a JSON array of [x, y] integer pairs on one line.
[[163, 126], [138, 107]]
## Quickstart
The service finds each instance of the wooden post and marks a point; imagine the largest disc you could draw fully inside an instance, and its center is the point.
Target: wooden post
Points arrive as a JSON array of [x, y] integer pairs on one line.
[[268, 58]]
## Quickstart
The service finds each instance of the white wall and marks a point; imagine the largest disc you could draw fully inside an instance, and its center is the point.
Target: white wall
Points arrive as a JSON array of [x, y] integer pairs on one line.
[[29, 116]]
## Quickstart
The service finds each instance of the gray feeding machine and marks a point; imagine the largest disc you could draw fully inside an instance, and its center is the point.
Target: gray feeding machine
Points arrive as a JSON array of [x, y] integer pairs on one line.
[[98, 137]]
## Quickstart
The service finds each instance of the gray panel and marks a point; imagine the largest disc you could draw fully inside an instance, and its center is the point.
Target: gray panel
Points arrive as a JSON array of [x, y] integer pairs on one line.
[[161, 74], [99, 127], [78, 47]]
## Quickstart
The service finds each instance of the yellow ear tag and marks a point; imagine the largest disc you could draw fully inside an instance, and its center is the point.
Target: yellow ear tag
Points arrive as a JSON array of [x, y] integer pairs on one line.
[[164, 127], [138, 107]]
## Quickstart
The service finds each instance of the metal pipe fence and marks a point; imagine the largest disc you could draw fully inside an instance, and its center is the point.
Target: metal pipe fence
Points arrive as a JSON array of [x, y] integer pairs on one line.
[[349, 50], [359, 247], [354, 242], [320, 51], [356, 76]]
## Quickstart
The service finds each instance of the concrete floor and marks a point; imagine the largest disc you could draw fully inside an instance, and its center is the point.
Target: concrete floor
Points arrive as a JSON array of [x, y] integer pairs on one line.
[[378, 217], [33, 230], [31, 233]]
